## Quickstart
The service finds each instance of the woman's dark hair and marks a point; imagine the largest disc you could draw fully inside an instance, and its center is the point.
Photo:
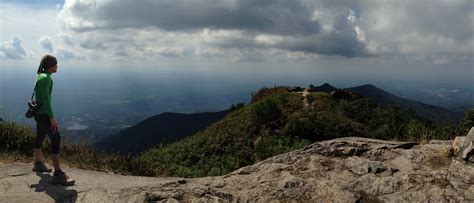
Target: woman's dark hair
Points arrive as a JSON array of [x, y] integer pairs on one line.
[[47, 62]]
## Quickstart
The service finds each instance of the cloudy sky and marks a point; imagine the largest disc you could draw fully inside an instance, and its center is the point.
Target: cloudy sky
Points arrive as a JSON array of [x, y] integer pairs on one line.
[[392, 36]]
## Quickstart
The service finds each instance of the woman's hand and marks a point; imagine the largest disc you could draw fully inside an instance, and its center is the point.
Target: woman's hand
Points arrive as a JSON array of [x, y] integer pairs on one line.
[[54, 125]]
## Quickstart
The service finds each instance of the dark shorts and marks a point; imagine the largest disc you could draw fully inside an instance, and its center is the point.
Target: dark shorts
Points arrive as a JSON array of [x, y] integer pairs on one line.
[[43, 127]]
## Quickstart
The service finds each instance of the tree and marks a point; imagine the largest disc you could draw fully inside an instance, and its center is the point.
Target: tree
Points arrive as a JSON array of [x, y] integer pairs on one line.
[[468, 120], [237, 106], [265, 111]]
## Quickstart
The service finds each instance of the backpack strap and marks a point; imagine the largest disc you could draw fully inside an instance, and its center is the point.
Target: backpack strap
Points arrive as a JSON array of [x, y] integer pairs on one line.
[[32, 95]]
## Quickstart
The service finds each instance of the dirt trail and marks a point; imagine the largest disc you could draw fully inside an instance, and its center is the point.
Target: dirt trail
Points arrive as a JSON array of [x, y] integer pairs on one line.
[[305, 93]]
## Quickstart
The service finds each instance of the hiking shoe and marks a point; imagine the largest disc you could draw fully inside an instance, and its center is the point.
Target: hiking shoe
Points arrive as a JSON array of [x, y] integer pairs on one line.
[[60, 177], [39, 166]]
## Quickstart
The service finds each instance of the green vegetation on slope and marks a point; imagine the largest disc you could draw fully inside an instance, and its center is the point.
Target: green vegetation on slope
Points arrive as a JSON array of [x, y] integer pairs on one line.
[[243, 137], [276, 122]]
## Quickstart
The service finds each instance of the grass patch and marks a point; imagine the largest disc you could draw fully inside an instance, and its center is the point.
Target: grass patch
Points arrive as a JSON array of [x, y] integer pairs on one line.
[[16, 144]]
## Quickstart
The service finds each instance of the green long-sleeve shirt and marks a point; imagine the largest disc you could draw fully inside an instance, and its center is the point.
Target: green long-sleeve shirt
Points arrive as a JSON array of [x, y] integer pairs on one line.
[[43, 89]]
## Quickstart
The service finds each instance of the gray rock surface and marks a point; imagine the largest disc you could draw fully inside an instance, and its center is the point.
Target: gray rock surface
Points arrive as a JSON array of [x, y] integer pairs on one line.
[[469, 137], [468, 152], [463, 147], [458, 144], [348, 169]]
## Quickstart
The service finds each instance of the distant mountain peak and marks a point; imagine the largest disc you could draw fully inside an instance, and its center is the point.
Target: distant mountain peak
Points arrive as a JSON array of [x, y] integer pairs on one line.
[[326, 87], [371, 88], [367, 86], [326, 84]]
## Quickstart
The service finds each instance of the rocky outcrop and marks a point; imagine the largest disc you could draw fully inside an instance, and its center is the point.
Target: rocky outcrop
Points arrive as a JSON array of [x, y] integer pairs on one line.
[[463, 147], [348, 169]]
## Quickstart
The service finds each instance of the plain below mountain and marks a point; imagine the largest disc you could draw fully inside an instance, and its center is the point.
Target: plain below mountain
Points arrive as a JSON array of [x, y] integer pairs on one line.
[[457, 99]]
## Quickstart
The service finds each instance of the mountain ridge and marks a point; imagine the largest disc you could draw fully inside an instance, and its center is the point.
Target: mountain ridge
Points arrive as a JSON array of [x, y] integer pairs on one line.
[[428, 111], [127, 141], [162, 128]]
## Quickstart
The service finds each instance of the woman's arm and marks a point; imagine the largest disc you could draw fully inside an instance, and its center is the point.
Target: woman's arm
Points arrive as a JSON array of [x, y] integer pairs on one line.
[[44, 96]]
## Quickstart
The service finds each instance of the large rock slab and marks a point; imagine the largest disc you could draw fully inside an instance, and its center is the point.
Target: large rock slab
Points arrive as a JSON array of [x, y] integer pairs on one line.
[[463, 147], [341, 170], [469, 137]]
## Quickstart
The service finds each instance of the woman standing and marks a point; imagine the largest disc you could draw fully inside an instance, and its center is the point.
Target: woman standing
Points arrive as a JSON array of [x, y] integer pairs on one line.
[[46, 122]]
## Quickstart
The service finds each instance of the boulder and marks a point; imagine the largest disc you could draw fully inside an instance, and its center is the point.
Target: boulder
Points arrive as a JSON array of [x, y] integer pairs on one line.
[[469, 137], [467, 152], [463, 146], [458, 144]]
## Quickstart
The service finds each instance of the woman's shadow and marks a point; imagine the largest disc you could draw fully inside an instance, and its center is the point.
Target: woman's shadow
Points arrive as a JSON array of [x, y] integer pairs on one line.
[[58, 192]]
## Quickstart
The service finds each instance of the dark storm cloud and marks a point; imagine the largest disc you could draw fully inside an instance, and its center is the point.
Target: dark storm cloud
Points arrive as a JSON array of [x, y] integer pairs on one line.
[[347, 28], [289, 19], [269, 16]]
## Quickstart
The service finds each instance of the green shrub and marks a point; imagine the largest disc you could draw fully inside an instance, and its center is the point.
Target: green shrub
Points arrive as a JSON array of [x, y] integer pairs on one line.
[[468, 120], [15, 138], [265, 111], [237, 106], [265, 92]]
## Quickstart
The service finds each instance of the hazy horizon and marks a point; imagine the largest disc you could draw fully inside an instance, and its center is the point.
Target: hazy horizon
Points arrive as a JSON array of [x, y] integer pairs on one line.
[[227, 87]]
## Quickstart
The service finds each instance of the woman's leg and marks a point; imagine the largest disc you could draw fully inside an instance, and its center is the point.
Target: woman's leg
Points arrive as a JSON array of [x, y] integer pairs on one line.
[[55, 147], [40, 134], [37, 154], [58, 176], [56, 165]]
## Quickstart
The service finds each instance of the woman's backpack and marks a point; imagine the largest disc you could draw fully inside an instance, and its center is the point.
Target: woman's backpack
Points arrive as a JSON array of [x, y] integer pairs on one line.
[[33, 106]]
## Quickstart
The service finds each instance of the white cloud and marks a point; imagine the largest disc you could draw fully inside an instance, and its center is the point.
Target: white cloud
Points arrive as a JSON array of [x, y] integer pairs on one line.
[[13, 49], [295, 55], [172, 51], [45, 42], [22, 19], [67, 39], [422, 27], [68, 54]]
